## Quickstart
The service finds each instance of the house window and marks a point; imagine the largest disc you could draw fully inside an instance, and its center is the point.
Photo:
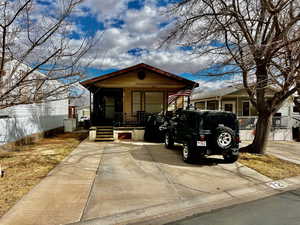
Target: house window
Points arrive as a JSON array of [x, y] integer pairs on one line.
[[136, 101], [154, 102], [228, 106], [212, 105], [200, 105], [246, 108]]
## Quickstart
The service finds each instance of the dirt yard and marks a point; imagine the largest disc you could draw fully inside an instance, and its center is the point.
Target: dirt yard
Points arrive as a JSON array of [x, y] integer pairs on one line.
[[27, 165], [270, 165]]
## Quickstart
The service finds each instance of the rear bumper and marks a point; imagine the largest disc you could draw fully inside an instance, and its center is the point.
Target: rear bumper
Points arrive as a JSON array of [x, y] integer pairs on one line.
[[234, 151]]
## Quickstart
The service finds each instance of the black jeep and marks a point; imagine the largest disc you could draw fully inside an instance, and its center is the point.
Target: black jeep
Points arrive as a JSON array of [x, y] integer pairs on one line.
[[203, 133]]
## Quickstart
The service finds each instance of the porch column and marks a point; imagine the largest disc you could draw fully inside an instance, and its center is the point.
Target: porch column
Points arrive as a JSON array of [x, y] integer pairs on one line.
[[237, 105]]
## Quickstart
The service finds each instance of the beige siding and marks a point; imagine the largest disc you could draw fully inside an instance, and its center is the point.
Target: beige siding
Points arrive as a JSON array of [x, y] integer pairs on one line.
[[151, 80]]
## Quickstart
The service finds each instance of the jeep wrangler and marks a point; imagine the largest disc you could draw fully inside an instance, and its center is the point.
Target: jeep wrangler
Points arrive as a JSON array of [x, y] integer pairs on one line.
[[203, 133]]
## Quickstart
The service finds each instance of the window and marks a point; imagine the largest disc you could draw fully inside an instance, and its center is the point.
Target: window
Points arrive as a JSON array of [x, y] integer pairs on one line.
[[200, 105], [212, 105], [228, 106], [154, 102], [246, 108], [136, 101]]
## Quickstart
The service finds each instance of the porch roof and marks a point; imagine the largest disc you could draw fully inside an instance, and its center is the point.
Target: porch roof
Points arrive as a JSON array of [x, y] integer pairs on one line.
[[91, 82], [210, 93]]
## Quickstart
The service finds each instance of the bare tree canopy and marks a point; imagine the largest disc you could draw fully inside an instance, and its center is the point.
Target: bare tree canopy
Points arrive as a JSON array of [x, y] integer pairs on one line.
[[39, 60], [259, 39]]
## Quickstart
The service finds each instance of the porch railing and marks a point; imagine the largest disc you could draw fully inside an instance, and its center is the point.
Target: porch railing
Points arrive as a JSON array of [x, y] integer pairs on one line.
[[130, 119], [278, 122]]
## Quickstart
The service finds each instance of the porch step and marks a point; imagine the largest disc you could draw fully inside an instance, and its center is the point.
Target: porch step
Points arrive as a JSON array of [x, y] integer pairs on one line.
[[104, 133], [104, 139], [104, 136], [104, 129]]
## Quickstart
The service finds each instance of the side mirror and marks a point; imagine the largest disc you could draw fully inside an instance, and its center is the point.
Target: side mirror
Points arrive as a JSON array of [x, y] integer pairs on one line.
[[175, 123]]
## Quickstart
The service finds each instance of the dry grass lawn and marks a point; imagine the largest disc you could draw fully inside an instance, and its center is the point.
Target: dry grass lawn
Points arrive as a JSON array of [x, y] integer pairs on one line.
[[27, 165], [270, 166]]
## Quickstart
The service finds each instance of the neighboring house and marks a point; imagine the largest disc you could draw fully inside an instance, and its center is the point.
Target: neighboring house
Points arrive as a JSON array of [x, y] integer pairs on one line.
[[236, 100], [79, 105], [123, 98], [23, 122]]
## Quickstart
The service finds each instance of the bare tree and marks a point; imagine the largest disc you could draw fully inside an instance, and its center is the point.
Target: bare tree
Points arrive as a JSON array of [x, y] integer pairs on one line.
[[39, 58], [258, 40]]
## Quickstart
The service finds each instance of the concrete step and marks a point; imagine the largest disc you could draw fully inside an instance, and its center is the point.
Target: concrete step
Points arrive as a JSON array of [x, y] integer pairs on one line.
[[104, 132], [104, 136], [104, 139]]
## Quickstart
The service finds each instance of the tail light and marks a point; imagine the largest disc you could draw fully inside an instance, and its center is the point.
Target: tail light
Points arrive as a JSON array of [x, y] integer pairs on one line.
[[202, 137], [237, 139]]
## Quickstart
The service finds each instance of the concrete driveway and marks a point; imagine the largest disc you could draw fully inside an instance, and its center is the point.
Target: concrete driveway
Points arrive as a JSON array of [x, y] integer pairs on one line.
[[110, 180], [139, 175]]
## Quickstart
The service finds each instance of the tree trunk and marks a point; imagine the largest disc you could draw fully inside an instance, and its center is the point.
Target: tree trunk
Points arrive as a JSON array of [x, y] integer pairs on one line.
[[263, 127]]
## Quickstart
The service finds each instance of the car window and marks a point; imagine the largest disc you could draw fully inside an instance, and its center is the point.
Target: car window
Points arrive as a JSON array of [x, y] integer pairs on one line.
[[191, 120], [182, 117]]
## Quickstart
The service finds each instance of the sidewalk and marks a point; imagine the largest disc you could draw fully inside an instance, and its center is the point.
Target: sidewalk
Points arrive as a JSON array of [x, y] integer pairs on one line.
[[60, 197], [286, 150]]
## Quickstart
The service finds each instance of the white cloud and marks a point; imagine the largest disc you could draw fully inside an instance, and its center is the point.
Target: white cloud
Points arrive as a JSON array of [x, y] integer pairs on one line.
[[141, 29], [106, 9]]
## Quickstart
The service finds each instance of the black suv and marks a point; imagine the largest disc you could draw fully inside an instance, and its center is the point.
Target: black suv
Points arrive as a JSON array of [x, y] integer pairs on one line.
[[203, 133]]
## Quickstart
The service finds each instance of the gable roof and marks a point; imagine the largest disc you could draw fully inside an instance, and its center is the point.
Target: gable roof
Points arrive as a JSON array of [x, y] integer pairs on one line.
[[89, 82]]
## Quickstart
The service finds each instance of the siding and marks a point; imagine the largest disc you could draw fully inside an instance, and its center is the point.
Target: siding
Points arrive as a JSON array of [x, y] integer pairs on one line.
[[25, 120]]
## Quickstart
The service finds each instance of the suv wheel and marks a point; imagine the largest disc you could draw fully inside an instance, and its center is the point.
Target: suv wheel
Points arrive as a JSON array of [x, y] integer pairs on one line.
[[187, 153], [224, 137], [230, 158], [169, 141]]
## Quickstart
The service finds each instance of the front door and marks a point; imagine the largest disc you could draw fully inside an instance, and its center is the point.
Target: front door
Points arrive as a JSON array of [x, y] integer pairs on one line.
[[109, 106], [229, 106]]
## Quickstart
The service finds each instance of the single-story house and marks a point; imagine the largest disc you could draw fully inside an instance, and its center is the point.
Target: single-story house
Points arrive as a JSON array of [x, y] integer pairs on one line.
[[120, 100], [235, 99]]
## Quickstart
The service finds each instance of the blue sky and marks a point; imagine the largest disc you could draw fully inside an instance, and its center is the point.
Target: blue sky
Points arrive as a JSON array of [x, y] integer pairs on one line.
[[130, 32]]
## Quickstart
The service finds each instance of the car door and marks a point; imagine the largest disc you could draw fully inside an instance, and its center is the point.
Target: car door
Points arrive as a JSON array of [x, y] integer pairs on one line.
[[181, 127]]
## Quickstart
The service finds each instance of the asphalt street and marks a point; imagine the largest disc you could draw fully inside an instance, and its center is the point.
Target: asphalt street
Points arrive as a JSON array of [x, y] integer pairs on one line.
[[281, 209]]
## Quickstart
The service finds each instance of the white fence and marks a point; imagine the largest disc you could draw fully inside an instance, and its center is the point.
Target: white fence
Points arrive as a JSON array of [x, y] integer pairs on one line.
[[24, 120], [281, 129], [280, 122]]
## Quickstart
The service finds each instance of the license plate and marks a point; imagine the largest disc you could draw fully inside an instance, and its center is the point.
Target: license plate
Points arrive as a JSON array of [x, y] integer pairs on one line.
[[201, 143]]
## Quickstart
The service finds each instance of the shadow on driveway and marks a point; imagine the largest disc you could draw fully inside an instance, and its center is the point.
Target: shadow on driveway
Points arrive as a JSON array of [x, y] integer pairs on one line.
[[161, 154]]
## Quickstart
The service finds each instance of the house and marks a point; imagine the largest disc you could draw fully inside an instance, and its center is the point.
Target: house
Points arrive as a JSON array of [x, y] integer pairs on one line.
[[120, 100], [79, 104], [235, 99]]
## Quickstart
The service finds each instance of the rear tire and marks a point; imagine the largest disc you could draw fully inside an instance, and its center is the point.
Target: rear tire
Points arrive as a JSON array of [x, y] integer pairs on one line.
[[188, 154], [169, 140], [224, 138], [229, 158]]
